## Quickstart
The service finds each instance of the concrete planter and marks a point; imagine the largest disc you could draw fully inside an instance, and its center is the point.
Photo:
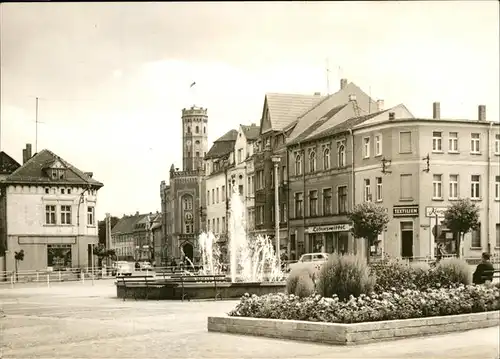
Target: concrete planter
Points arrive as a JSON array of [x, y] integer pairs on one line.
[[349, 334], [160, 290]]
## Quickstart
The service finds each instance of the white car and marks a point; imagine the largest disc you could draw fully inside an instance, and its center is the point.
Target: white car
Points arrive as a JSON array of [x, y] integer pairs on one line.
[[315, 260], [124, 268]]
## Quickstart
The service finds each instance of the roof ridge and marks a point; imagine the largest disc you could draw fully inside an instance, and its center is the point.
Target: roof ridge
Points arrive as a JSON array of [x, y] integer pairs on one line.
[[28, 161]]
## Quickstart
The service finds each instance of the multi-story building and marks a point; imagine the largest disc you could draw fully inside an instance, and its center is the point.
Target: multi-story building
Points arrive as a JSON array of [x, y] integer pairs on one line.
[[320, 172], [219, 159], [48, 210], [242, 173], [132, 237], [183, 199], [417, 167], [279, 111]]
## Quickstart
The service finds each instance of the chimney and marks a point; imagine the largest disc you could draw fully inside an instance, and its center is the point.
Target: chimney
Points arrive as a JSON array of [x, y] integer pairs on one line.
[[481, 113], [392, 116], [352, 97], [89, 174], [380, 105], [137, 213], [27, 153], [317, 94], [343, 83], [436, 110]]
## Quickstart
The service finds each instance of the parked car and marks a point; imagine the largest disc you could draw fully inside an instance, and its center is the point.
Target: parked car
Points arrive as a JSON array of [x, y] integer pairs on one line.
[[123, 268], [315, 260], [143, 266]]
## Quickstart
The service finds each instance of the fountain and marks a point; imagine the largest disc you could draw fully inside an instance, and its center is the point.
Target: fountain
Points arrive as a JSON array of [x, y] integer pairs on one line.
[[253, 266]]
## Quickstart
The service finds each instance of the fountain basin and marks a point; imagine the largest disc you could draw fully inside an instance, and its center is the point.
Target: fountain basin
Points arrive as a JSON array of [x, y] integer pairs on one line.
[[160, 289]]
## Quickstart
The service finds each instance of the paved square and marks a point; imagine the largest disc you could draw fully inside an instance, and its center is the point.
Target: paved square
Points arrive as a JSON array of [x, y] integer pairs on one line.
[[75, 320]]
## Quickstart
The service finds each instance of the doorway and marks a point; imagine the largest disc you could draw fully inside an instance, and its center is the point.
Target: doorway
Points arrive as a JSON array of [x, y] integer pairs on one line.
[[187, 248], [406, 239]]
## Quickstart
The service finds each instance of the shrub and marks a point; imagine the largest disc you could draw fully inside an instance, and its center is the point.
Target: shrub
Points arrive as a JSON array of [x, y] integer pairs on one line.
[[293, 277], [374, 307], [452, 271], [305, 285], [344, 276], [393, 274]]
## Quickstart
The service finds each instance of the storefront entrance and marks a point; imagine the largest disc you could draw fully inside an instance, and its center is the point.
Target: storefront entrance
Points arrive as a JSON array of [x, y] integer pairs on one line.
[[406, 239]]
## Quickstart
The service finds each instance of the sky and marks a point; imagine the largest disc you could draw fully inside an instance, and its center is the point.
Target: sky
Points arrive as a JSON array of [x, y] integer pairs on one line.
[[113, 78]]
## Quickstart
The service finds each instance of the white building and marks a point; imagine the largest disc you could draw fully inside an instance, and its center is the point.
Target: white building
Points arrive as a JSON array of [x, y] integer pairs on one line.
[[48, 210], [218, 161], [242, 173]]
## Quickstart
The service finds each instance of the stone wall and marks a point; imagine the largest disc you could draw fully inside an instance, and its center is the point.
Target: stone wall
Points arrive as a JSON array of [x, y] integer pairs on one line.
[[349, 334]]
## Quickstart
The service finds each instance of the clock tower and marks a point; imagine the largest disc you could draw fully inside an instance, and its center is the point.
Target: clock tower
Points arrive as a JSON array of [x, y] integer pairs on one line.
[[194, 138]]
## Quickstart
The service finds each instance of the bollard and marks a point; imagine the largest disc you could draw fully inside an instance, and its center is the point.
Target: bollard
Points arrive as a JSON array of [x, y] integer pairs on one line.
[[37, 276], [48, 280], [82, 274], [12, 281], [60, 280]]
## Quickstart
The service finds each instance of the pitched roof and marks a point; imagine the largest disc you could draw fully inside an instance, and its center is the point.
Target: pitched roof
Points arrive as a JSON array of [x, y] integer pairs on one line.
[[223, 145], [315, 113], [33, 172], [284, 108], [136, 222], [251, 132], [7, 164]]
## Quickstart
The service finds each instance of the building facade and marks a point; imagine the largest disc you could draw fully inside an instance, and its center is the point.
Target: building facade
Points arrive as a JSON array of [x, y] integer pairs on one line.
[[416, 168], [183, 199], [49, 212]]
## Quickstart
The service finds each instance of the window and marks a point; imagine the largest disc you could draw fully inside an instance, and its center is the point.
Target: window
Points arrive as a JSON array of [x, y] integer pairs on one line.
[[299, 198], [240, 189], [90, 216], [498, 235], [474, 187], [260, 214], [453, 142], [62, 190], [312, 161], [474, 143], [283, 173], [213, 196], [366, 147], [208, 197], [50, 214], [188, 129], [341, 154], [366, 191], [65, 214], [327, 201], [197, 129], [326, 159], [218, 226], [497, 188], [379, 189], [453, 187], [240, 155], [313, 203], [283, 215], [378, 145], [68, 191], [342, 199], [405, 142], [218, 195], [260, 179], [223, 194], [405, 183], [437, 187], [497, 144], [437, 141], [298, 165], [476, 237], [197, 154]]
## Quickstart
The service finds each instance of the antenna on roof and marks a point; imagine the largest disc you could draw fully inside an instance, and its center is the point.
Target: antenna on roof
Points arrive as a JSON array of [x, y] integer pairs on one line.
[[370, 100], [36, 125], [327, 77]]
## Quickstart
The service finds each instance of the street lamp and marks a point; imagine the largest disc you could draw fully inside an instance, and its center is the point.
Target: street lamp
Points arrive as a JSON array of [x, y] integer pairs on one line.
[[276, 160]]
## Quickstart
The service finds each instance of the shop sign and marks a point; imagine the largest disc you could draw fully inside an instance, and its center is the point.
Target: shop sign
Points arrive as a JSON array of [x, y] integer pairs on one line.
[[343, 227], [432, 211], [405, 211]]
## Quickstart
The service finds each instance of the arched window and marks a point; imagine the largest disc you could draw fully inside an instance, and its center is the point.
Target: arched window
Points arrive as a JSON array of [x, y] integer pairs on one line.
[[187, 202], [187, 214], [197, 129], [204, 130], [326, 159], [298, 165], [341, 155], [188, 129], [312, 161]]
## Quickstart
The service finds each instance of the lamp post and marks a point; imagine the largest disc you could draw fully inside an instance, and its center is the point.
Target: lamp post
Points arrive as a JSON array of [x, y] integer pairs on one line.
[[276, 160]]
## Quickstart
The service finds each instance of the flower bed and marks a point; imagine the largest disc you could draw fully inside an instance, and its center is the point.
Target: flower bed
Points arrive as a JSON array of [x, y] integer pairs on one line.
[[389, 305]]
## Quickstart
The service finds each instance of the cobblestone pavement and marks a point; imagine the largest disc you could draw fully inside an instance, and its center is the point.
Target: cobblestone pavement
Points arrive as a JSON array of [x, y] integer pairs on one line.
[[75, 320]]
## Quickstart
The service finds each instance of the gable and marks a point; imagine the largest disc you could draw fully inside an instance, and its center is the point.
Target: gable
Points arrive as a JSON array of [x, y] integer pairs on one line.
[[265, 121], [7, 164]]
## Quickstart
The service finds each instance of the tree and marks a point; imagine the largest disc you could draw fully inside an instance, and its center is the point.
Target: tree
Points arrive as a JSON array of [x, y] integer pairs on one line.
[[102, 252], [18, 256], [368, 221], [101, 228], [460, 218]]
